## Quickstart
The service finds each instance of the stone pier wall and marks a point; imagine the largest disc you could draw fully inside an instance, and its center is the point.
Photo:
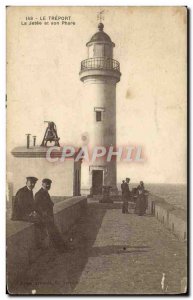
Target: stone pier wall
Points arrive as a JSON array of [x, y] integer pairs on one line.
[[175, 219], [21, 247]]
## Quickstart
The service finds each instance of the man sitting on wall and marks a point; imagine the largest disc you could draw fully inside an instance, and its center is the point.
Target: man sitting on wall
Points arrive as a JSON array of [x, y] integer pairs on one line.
[[23, 205], [44, 208]]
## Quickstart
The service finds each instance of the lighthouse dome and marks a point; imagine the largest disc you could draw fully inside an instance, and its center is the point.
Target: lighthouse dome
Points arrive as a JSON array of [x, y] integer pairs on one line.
[[100, 36]]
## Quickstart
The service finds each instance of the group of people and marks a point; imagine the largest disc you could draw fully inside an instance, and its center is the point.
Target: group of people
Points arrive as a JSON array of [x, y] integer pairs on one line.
[[38, 210], [140, 197]]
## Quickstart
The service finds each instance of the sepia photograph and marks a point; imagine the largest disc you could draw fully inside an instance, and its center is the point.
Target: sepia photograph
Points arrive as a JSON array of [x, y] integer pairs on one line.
[[96, 150]]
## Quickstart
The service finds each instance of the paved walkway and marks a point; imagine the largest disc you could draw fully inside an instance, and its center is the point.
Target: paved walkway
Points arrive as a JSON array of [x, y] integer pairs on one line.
[[114, 254]]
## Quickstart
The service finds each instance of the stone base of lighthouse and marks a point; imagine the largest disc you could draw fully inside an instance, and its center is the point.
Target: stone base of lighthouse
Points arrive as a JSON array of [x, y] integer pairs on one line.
[[96, 176]]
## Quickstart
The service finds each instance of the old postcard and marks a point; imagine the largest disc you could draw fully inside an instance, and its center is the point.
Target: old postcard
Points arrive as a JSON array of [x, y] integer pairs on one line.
[[96, 150]]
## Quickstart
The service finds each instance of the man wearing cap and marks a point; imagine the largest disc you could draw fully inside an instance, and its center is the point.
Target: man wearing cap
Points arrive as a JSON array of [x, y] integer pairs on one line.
[[23, 206], [43, 202], [44, 208]]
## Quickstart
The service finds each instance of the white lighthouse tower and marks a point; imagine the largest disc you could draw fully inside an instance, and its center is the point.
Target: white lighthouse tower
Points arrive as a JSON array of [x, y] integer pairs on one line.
[[100, 74]]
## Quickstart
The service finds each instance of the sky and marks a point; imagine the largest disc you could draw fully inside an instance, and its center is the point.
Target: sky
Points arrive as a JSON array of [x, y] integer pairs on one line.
[[43, 64]]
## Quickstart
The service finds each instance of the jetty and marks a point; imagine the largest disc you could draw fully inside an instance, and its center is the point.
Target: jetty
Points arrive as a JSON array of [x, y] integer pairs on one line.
[[114, 253]]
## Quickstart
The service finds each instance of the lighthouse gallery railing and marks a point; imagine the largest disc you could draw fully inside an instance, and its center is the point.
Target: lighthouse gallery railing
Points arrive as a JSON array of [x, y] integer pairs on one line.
[[104, 63]]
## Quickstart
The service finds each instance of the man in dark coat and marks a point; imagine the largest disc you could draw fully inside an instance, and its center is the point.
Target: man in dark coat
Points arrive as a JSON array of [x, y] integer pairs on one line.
[[44, 208], [125, 196], [23, 205], [43, 203]]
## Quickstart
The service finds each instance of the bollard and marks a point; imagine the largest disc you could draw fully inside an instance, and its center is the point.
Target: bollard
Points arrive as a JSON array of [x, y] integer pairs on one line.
[[34, 140], [28, 140]]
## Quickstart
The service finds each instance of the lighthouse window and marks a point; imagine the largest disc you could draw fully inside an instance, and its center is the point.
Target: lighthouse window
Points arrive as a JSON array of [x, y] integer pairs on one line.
[[108, 51], [98, 50], [98, 116]]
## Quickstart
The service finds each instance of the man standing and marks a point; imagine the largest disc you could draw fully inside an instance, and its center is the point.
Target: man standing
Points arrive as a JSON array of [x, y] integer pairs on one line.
[[23, 205], [125, 196], [44, 208], [122, 186]]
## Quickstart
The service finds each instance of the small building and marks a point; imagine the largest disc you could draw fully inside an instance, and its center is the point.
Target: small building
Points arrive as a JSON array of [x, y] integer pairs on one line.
[[65, 175]]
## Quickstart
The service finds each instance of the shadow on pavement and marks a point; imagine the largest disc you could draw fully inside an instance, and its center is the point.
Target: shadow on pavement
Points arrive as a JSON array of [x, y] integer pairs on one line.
[[59, 273], [83, 236]]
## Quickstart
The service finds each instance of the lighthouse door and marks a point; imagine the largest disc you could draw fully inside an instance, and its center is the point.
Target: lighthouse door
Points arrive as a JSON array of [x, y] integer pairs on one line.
[[97, 182]]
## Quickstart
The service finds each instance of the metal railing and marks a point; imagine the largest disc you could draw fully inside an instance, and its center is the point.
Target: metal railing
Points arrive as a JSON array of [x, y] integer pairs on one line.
[[103, 63]]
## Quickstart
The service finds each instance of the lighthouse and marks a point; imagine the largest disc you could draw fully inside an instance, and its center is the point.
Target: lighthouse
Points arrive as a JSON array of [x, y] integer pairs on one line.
[[99, 74]]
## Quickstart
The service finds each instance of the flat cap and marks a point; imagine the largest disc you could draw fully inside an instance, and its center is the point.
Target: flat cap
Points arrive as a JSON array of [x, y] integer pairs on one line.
[[31, 178], [47, 180]]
